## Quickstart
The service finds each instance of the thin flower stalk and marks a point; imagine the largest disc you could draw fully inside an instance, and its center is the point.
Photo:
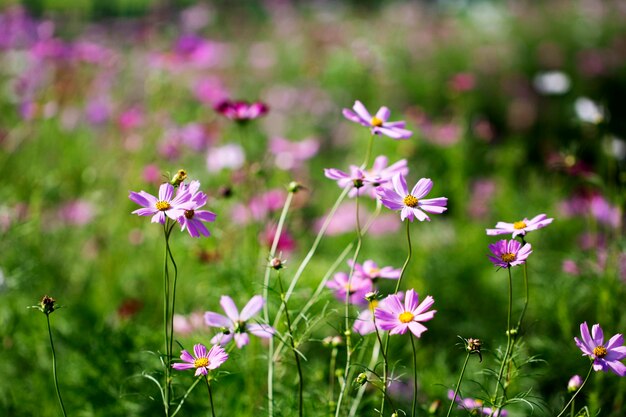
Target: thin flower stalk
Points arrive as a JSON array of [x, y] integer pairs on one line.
[[571, 401], [208, 386], [348, 327], [458, 384], [168, 312], [310, 254], [54, 367], [359, 396], [184, 398], [386, 348], [293, 348], [414, 375], [507, 353], [266, 314]]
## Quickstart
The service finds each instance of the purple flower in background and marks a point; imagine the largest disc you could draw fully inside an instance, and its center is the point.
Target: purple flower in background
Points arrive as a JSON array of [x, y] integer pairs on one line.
[[398, 317], [411, 205], [357, 178], [290, 155], [606, 356], [193, 219], [509, 253], [471, 404], [241, 111], [370, 270], [235, 325], [520, 227], [167, 204], [378, 124], [202, 361], [356, 287]]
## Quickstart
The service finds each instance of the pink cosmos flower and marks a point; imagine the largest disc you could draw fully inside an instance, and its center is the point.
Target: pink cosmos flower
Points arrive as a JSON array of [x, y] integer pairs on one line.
[[356, 287], [378, 124], [509, 253], [398, 318], [193, 219], [411, 205], [471, 405], [167, 204], [290, 155], [520, 227], [241, 111], [365, 181], [357, 178], [370, 270], [364, 323], [606, 356], [204, 361], [235, 325]]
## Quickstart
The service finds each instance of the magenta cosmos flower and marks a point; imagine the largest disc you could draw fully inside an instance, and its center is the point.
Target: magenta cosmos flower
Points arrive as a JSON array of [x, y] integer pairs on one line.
[[193, 219], [370, 269], [606, 356], [474, 405], [167, 204], [241, 111], [519, 228], [509, 253], [364, 323], [397, 317], [411, 205], [202, 361], [378, 124], [235, 325]]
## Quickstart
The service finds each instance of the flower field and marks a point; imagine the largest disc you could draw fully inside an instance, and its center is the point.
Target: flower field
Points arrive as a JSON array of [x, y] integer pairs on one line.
[[274, 208]]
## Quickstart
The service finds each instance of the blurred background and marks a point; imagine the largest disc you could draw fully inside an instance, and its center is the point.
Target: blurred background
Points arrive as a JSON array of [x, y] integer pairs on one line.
[[516, 109]]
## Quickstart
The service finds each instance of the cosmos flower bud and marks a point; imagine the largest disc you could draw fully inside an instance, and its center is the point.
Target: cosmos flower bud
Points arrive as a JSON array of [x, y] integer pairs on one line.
[[473, 346], [361, 379], [574, 383], [294, 187], [276, 263], [179, 177], [47, 305], [371, 296]]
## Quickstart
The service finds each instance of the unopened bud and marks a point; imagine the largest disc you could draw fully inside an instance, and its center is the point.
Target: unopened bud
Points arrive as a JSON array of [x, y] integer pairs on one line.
[[179, 177], [361, 379], [434, 406], [294, 187], [276, 263], [371, 296], [574, 383]]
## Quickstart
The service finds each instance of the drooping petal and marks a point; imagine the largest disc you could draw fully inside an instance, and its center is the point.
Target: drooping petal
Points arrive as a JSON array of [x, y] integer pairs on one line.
[[252, 307], [229, 307]]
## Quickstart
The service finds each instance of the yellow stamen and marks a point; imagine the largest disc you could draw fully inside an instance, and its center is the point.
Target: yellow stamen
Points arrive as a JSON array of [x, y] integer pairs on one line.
[[410, 201], [163, 205], [508, 257], [600, 352], [201, 362], [519, 225], [376, 122], [406, 317]]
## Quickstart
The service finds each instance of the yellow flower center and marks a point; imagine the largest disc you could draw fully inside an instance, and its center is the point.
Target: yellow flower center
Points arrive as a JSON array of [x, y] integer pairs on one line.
[[508, 257], [410, 201], [374, 272], [376, 122], [600, 352], [201, 362], [519, 225], [163, 205], [373, 304], [189, 214], [406, 317]]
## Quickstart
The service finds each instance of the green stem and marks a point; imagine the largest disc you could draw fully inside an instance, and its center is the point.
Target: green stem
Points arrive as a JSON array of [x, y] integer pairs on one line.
[[386, 348], [331, 376], [414, 375], [171, 317], [458, 385], [311, 252], [166, 314], [368, 152], [355, 404], [182, 401], [295, 351], [266, 313], [496, 410], [521, 317], [54, 367], [347, 324], [208, 386], [577, 391]]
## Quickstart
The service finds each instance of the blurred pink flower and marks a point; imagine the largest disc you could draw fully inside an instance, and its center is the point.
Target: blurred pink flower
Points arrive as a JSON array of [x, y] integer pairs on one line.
[[152, 174], [210, 91], [290, 155], [229, 156], [77, 212], [481, 196], [259, 207], [131, 118], [356, 288], [462, 82], [570, 267], [286, 243], [185, 325]]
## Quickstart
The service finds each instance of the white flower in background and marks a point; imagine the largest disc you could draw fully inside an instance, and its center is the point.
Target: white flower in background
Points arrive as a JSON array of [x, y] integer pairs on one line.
[[588, 111], [552, 83]]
